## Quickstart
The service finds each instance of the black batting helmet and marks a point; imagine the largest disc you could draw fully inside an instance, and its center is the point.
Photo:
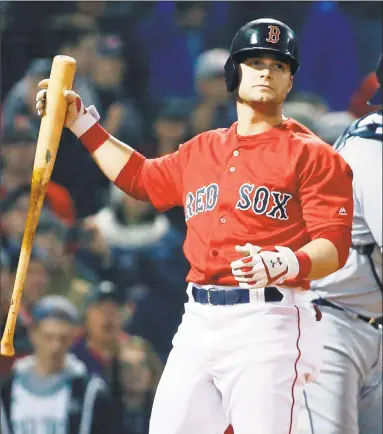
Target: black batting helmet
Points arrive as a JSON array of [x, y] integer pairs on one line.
[[260, 36]]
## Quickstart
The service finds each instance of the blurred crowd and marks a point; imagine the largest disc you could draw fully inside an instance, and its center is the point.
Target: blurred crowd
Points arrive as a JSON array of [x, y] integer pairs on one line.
[[105, 285]]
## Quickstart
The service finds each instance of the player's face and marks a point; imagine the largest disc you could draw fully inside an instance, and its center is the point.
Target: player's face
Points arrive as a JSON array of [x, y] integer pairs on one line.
[[264, 80]]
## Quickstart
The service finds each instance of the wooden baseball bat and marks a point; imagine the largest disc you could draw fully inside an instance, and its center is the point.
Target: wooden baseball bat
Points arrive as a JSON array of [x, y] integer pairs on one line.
[[52, 123]]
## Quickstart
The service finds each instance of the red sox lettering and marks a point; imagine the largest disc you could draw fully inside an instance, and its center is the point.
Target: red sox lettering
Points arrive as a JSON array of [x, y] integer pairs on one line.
[[205, 199], [258, 199]]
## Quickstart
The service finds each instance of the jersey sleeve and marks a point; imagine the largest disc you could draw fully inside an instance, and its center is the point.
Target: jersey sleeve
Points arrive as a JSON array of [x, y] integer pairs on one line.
[[325, 188], [156, 180]]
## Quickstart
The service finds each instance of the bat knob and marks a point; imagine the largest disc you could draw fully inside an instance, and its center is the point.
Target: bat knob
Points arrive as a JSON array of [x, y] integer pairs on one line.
[[7, 349]]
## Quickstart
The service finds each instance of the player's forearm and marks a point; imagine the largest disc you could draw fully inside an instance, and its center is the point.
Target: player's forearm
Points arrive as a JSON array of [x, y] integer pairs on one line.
[[112, 156], [324, 258]]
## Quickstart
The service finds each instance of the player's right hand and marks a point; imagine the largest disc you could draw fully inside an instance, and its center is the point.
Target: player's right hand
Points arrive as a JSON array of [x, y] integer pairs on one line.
[[75, 106]]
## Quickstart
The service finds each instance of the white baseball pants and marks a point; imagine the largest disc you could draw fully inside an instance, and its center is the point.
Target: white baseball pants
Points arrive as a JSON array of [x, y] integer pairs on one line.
[[244, 364]]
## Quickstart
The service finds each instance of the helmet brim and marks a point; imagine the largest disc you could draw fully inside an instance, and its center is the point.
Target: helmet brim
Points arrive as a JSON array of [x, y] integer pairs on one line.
[[245, 53]]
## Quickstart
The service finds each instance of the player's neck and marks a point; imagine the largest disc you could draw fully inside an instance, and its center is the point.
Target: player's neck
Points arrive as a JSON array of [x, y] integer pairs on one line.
[[257, 120]]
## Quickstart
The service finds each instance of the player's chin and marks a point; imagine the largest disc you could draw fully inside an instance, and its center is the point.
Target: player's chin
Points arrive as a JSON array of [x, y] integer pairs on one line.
[[264, 99], [263, 96]]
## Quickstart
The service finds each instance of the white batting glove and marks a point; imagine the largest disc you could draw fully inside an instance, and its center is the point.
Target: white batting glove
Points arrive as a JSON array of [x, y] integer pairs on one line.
[[261, 267], [78, 119]]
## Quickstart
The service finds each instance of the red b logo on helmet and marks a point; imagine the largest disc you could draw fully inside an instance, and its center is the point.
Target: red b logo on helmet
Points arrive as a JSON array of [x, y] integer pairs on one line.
[[273, 34]]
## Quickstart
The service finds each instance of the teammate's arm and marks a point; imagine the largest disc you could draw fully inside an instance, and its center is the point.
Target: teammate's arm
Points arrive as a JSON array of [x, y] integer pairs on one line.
[[366, 159]]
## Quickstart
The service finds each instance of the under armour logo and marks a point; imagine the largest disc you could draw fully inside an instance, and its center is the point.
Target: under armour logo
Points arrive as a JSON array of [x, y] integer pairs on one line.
[[274, 263], [274, 33], [343, 211]]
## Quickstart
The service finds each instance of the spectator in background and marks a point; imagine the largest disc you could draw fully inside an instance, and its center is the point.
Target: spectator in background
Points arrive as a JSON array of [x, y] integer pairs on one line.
[[170, 128], [332, 125], [128, 223], [120, 113], [159, 305], [311, 102], [75, 257], [146, 244], [79, 175], [5, 283], [359, 105], [79, 40], [36, 286], [102, 327], [303, 113], [50, 238], [50, 386], [5, 297], [329, 63], [171, 39], [18, 111], [98, 347], [140, 373], [14, 210], [18, 149], [215, 107]]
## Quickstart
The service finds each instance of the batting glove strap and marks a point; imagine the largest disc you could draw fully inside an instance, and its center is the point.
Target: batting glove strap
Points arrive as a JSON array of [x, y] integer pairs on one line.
[[291, 260], [85, 120], [88, 130]]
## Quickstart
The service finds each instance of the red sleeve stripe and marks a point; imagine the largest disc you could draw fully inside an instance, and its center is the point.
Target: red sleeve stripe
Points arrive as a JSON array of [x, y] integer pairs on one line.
[[126, 177], [93, 138]]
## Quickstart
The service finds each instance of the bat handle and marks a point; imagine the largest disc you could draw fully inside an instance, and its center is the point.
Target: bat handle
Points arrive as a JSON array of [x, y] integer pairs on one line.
[[7, 347]]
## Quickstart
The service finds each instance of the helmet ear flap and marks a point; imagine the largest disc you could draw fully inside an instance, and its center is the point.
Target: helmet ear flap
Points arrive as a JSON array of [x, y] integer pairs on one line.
[[231, 74]]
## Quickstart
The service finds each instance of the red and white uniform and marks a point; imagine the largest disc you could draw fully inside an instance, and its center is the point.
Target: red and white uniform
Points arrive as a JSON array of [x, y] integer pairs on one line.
[[244, 364], [277, 188]]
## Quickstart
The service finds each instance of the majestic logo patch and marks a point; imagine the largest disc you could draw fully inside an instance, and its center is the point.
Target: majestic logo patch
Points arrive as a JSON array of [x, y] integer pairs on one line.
[[260, 200], [274, 33], [343, 211]]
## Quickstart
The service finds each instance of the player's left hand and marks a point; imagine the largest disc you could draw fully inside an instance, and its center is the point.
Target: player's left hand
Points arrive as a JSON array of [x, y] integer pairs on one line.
[[262, 267]]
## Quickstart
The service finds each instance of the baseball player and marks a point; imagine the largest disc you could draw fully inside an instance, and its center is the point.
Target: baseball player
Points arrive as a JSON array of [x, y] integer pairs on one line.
[[347, 396], [268, 207]]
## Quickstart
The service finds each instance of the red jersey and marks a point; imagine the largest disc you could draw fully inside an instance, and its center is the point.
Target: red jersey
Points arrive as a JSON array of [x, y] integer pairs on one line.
[[280, 188]]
